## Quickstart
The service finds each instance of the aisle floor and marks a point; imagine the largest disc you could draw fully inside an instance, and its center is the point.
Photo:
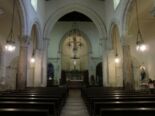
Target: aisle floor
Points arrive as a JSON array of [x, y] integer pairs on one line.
[[74, 105]]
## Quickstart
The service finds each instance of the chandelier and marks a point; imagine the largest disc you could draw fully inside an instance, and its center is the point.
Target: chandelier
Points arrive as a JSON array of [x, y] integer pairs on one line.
[[10, 42], [140, 46], [75, 43]]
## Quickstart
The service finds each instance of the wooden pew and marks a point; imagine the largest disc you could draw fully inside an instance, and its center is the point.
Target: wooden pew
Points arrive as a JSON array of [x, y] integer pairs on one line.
[[91, 101], [23, 112], [30, 105], [121, 104], [57, 103], [127, 111], [98, 98], [39, 98]]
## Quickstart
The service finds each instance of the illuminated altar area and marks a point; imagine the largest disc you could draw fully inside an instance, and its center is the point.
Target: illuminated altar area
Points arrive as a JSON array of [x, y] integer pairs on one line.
[[74, 79]]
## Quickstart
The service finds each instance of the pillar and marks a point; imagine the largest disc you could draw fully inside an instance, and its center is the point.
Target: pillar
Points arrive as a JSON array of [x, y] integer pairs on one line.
[[22, 66], [104, 62], [44, 62], [128, 79], [37, 71]]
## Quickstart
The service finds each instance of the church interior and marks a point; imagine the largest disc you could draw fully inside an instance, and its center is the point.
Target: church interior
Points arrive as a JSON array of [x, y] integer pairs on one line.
[[77, 57]]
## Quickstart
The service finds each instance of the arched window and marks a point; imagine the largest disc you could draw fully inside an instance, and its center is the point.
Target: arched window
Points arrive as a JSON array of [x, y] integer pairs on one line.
[[116, 3], [34, 4]]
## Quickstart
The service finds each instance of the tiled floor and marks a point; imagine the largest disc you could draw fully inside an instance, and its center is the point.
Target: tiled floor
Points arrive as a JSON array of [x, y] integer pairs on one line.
[[74, 105]]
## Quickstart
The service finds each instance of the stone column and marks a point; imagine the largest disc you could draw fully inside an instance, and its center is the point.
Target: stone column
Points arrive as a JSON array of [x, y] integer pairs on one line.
[[105, 63], [44, 62], [90, 65], [37, 71], [22, 66], [128, 79]]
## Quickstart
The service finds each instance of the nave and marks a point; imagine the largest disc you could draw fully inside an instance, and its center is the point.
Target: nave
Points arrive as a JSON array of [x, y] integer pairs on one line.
[[104, 47]]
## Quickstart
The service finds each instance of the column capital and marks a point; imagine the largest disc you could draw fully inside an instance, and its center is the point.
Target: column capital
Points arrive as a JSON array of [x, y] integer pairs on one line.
[[153, 9], [125, 40], [46, 39], [25, 40]]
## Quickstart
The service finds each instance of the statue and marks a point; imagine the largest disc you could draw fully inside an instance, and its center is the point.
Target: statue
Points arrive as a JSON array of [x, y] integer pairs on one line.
[[142, 73]]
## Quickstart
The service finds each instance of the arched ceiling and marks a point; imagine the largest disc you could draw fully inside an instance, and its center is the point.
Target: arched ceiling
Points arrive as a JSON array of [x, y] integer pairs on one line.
[[80, 7]]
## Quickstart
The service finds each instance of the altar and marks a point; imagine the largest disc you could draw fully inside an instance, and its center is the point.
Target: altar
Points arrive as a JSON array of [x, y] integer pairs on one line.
[[74, 75], [75, 84], [74, 79]]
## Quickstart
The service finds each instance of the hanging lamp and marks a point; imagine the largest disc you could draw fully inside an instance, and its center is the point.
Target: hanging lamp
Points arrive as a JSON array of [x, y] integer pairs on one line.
[[140, 46], [10, 42]]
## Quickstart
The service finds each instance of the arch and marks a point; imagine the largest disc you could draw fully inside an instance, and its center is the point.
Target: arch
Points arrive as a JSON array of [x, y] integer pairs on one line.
[[53, 18], [115, 67], [23, 15], [124, 26], [147, 29], [50, 74], [113, 25], [37, 27], [99, 74], [82, 33]]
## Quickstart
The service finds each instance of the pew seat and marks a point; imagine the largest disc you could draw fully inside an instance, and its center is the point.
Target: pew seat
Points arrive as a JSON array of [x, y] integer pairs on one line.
[[23, 112], [143, 111]]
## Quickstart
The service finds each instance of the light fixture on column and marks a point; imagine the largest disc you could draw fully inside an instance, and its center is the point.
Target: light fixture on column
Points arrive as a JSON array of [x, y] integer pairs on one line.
[[140, 46], [74, 62], [33, 58], [10, 42], [117, 59]]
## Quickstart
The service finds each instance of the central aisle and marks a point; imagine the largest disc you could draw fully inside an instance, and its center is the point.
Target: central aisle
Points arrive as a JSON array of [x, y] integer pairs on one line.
[[74, 105]]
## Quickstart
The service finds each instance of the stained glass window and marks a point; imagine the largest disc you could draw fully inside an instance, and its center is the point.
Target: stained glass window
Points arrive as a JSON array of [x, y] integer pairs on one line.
[[34, 4], [116, 3]]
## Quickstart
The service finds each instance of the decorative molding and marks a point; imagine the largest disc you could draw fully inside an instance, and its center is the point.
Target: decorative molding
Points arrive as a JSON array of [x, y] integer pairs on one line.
[[53, 58], [25, 41], [95, 58]]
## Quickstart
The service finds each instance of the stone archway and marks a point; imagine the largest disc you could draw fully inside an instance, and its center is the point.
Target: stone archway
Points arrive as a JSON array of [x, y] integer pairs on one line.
[[138, 59], [50, 74], [77, 7], [19, 29], [94, 16], [115, 58], [99, 74], [34, 56]]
